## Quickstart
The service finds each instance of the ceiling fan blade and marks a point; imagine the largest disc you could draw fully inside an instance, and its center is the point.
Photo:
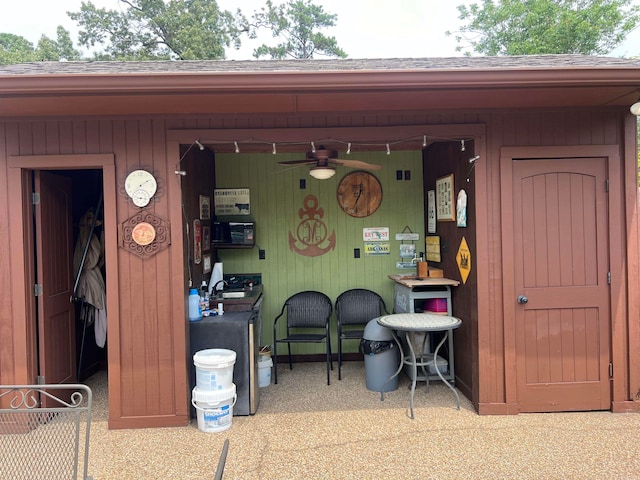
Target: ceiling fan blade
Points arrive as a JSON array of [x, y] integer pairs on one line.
[[355, 164], [298, 162]]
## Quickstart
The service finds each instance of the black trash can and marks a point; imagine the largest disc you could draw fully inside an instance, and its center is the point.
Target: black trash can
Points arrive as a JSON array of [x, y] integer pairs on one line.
[[381, 357]]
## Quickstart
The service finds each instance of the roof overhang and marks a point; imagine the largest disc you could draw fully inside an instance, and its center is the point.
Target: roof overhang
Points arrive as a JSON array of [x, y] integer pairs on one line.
[[300, 92]]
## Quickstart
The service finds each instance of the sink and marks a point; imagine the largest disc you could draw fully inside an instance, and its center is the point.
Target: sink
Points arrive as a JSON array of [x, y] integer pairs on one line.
[[234, 294]]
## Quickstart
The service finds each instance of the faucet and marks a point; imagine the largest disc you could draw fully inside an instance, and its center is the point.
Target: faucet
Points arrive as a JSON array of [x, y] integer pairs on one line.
[[415, 259], [224, 284]]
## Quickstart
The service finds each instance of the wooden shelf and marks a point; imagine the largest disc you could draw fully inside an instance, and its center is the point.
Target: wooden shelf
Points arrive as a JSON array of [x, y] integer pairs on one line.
[[231, 245]]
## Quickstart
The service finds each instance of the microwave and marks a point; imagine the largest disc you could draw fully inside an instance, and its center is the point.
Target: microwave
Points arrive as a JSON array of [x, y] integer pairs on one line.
[[236, 233]]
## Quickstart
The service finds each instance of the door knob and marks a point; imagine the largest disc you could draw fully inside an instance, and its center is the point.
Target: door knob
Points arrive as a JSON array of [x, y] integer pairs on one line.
[[522, 299]]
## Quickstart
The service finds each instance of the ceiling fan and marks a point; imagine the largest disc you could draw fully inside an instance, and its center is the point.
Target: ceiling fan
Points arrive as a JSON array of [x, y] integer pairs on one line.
[[325, 161]]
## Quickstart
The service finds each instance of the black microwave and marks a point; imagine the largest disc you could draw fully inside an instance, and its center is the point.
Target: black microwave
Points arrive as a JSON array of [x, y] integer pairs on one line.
[[237, 233]]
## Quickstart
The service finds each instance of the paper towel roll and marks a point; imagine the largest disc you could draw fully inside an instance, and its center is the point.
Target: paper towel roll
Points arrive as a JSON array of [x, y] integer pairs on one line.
[[216, 276]]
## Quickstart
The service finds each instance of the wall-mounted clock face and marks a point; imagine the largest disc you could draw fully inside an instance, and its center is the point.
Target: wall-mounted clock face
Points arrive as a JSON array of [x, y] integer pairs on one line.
[[359, 194], [141, 186]]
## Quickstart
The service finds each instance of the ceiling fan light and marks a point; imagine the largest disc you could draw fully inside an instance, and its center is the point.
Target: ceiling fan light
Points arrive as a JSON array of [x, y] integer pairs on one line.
[[322, 173], [635, 108]]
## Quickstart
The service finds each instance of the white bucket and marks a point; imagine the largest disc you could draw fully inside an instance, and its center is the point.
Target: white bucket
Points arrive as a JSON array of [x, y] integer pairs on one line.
[[214, 368], [264, 372], [214, 409]]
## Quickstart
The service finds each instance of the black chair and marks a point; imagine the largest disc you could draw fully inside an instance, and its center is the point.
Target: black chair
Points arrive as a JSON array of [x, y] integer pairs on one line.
[[354, 309], [308, 311], [222, 460]]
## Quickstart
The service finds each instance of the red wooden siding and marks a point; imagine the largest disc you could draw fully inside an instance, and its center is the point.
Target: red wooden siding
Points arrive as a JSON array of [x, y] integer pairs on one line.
[[147, 331]]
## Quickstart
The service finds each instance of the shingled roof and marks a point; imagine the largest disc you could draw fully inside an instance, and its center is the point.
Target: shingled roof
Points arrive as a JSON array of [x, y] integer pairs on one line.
[[535, 62]]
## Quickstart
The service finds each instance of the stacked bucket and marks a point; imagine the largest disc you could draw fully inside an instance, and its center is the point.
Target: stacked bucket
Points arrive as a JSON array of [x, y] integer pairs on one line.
[[215, 393]]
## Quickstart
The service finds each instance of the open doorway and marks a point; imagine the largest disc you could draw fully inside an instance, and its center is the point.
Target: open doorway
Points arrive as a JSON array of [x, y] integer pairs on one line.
[[70, 275]]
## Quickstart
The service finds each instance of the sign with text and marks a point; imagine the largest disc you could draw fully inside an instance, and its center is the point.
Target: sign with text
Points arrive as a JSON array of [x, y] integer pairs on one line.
[[376, 248], [231, 201], [375, 234]]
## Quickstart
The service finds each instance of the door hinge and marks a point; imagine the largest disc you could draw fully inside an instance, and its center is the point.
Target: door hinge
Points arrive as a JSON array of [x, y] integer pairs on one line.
[[35, 198], [609, 278], [40, 380], [37, 290], [606, 185], [610, 370]]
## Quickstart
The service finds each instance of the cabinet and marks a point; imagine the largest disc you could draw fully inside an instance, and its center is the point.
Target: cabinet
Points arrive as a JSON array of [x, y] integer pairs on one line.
[[237, 331], [409, 293]]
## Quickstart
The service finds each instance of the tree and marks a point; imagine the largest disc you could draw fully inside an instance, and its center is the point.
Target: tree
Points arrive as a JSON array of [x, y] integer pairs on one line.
[[155, 29], [531, 27], [295, 24], [16, 49]]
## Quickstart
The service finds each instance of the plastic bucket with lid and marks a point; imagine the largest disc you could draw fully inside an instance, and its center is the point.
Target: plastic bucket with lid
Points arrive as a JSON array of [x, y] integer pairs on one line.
[[214, 408], [214, 368]]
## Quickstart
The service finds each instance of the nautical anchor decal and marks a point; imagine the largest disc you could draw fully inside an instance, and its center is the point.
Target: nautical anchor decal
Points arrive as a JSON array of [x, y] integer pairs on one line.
[[311, 231]]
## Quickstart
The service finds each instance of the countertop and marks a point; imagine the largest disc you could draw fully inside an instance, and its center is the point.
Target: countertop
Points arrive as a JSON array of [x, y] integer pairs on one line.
[[238, 304], [412, 281]]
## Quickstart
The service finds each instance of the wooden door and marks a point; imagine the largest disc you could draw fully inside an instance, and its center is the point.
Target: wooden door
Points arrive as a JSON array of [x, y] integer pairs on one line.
[[562, 319], [54, 267]]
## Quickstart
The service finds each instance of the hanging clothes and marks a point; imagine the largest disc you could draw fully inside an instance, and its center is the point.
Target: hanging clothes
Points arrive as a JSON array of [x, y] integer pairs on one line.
[[91, 285]]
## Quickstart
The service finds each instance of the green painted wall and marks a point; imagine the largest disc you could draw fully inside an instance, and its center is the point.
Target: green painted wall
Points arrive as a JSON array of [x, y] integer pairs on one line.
[[276, 199]]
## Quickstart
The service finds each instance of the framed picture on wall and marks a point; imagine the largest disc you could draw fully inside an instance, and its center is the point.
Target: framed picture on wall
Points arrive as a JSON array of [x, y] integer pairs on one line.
[[445, 207], [206, 238], [431, 211], [205, 207], [206, 263]]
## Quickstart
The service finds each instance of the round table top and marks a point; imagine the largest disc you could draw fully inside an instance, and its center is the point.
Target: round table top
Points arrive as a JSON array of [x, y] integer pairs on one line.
[[419, 322]]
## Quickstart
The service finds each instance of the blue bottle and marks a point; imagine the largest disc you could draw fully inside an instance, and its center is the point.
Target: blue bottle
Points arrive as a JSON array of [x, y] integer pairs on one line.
[[195, 313]]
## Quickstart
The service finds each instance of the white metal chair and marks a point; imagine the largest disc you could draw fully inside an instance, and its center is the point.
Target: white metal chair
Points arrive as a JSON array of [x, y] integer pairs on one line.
[[42, 434]]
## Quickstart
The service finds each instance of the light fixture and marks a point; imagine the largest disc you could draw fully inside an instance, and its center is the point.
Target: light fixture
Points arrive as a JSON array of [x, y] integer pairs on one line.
[[349, 148], [388, 149], [424, 141], [313, 147], [322, 173], [274, 149], [635, 108], [462, 147], [200, 146], [237, 148]]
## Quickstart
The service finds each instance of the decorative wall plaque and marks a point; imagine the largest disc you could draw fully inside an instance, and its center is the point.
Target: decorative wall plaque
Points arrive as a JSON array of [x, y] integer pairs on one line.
[[135, 234]]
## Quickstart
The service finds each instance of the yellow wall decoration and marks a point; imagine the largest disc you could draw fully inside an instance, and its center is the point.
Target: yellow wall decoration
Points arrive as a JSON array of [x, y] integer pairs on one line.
[[463, 258]]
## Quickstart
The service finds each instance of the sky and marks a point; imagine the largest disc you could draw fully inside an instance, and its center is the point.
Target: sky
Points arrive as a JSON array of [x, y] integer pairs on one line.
[[365, 28]]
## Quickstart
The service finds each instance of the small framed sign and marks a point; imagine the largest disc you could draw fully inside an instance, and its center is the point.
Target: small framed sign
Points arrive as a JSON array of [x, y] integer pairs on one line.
[[445, 207], [205, 207], [206, 238], [231, 201], [206, 263], [431, 211]]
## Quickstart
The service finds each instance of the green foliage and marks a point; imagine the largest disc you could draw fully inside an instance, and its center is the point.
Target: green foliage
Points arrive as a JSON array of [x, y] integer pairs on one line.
[[156, 30], [295, 24], [16, 49], [531, 27]]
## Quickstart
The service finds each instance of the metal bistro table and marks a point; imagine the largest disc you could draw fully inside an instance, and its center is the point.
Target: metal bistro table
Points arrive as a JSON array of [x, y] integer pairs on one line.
[[420, 323]]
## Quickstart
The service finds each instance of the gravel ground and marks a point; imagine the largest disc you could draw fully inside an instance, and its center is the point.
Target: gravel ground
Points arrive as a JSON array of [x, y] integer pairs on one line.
[[305, 429]]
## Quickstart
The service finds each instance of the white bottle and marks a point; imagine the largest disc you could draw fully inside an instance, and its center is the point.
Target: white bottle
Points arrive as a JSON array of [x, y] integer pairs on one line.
[[204, 299], [195, 313]]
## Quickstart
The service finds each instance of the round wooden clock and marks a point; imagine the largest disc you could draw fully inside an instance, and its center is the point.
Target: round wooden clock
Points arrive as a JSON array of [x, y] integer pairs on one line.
[[359, 194]]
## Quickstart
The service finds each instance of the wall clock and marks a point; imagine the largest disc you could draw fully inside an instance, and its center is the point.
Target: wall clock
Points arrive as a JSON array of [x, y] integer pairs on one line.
[[359, 194], [141, 186]]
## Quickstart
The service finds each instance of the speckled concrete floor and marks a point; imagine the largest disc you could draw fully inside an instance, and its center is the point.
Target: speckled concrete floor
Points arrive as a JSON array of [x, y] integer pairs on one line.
[[305, 429]]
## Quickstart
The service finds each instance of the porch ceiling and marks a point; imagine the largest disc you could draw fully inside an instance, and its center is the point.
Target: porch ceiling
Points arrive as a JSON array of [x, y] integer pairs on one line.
[[176, 88]]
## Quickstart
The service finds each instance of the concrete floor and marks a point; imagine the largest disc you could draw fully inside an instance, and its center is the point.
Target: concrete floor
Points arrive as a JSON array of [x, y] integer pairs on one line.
[[305, 429]]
